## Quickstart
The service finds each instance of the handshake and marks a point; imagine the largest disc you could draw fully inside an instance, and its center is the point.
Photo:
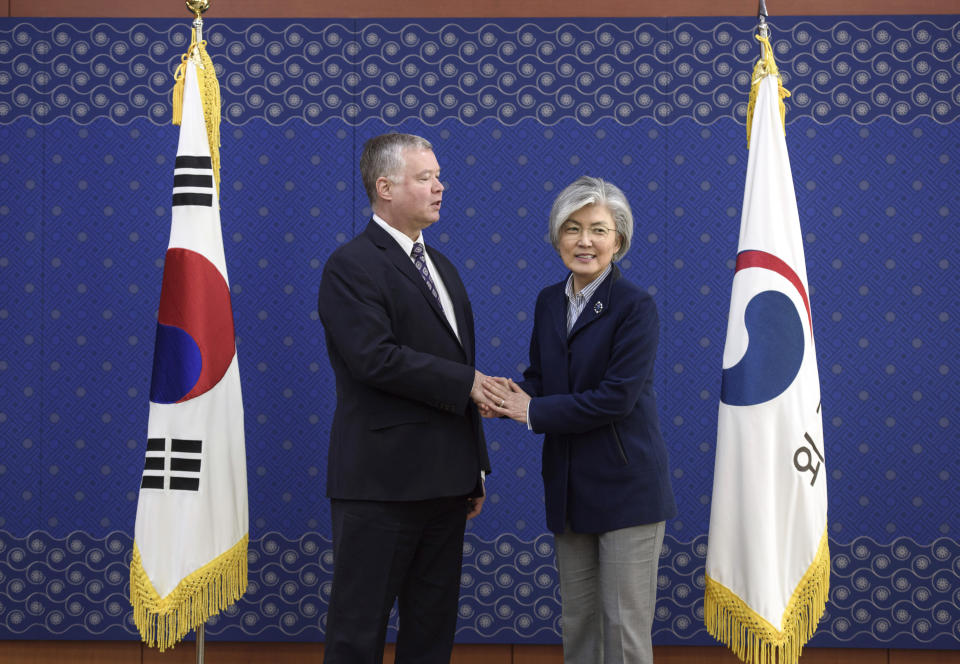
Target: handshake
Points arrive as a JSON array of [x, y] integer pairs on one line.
[[496, 396]]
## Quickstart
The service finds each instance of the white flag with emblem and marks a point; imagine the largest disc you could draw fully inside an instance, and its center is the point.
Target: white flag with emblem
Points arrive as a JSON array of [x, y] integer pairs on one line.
[[768, 562]]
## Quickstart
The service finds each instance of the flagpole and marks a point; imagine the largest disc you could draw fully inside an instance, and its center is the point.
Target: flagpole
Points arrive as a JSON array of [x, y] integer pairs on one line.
[[197, 8], [200, 644]]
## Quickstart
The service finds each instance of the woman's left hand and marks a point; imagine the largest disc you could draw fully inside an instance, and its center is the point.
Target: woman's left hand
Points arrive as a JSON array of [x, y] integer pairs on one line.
[[507, 398]]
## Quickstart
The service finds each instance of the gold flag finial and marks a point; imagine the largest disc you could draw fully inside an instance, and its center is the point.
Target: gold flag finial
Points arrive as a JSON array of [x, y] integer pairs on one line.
[[197, 7]]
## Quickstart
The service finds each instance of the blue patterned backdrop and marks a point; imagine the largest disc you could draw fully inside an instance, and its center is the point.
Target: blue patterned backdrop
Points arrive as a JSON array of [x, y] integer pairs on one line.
[[516, 109]]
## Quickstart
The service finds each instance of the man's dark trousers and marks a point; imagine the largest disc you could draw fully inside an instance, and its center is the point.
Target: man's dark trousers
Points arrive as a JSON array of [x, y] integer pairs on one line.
[[414, 550]]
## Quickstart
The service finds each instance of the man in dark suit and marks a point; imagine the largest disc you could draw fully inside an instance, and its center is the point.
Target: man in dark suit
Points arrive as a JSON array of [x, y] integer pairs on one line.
[[407, 452]]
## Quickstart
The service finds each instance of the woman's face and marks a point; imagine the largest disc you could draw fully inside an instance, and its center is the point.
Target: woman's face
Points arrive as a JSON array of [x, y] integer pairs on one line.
[[587, 242]]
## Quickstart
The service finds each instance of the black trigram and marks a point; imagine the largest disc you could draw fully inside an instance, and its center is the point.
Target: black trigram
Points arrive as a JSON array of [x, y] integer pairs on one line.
[[176, 468], [193, 181]]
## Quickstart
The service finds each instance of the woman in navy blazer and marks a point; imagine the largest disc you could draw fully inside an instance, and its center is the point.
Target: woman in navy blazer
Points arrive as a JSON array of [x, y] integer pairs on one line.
[[589, 390]]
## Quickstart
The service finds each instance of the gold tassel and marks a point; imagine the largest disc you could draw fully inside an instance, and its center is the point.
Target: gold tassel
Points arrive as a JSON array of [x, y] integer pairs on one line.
[[754, 640], [163, 621], [178, 77], [765, 66], [178, 80], [209, 97]]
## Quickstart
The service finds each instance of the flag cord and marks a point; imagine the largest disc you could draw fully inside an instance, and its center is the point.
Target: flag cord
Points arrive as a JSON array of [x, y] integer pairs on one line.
[[209, 96], [766, 66]]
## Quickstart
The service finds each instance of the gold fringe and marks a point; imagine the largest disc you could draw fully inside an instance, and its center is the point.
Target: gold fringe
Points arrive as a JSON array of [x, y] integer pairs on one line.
[[209, 97], [754, 640], [765, 66], [212, 588]]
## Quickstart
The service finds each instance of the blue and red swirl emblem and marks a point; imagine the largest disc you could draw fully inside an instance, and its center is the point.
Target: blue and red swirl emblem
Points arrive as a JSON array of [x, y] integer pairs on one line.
[[775, 338], [195, 343]]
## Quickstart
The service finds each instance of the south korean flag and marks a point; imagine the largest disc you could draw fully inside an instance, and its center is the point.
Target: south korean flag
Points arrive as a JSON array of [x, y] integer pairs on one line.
[[190, 544]]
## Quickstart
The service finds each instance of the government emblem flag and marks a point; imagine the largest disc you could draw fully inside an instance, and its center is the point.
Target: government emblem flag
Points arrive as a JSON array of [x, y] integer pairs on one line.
[[768, 562], [190, 544]]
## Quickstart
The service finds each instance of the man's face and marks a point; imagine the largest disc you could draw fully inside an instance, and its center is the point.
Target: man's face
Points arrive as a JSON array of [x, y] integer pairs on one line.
[[414, 200]]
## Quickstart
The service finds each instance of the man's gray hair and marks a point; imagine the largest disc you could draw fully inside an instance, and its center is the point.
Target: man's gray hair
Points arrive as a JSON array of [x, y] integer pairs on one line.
[[382, 157], [593, 191]]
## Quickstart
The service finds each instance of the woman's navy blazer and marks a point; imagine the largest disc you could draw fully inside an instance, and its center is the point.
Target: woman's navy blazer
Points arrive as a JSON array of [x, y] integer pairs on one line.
[[604, 460]]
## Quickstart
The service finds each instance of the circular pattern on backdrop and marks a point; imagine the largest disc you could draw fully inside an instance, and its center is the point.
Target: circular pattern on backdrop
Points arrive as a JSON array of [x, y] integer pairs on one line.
[[475, 70], [76, 588]]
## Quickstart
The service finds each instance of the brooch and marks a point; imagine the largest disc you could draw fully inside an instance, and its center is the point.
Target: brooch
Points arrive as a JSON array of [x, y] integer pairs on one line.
[[597, 308]]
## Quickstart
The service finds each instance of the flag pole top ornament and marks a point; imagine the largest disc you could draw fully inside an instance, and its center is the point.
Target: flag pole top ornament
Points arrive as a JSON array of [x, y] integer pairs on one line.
[[197, 7], [766, 66], [762, 15]]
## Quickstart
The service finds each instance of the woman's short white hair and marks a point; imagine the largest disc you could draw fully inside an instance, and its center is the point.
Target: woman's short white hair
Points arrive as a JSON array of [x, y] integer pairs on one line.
[[593, 191]]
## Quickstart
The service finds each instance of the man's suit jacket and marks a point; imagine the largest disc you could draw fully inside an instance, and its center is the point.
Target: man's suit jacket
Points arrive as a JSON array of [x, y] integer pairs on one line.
[[404, 427], [604, 460]]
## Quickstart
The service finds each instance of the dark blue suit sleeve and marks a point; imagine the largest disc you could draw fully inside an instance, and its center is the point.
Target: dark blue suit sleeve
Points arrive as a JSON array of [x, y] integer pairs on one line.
[[355, 311], [630, 366]]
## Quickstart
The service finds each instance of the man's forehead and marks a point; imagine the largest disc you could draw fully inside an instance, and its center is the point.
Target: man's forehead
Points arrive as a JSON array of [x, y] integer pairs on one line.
[[420, 159]]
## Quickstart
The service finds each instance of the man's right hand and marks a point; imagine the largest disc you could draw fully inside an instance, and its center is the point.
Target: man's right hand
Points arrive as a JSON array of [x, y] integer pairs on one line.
[[476, 392], [484, 404]]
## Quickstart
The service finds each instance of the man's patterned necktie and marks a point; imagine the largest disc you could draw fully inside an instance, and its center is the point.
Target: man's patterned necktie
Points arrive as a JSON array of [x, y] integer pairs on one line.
[[419, 261]]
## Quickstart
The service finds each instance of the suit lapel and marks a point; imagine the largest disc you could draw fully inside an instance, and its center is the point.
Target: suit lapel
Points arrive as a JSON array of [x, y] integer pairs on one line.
[[555, 345], [598, 305], [459, 299], [406, 267], [557, 313]]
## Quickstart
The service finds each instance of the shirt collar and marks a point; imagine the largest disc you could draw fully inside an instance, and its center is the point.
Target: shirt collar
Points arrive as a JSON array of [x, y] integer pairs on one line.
[[405, 242], [587, 291]]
